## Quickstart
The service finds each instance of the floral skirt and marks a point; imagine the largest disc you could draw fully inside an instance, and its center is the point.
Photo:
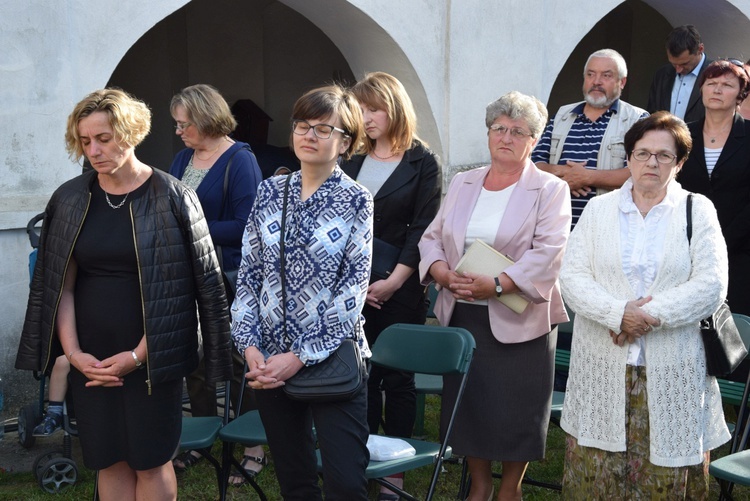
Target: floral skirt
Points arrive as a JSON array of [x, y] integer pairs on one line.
[[592, 473]]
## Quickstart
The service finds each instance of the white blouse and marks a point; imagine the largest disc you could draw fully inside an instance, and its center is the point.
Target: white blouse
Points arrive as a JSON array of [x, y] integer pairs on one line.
[[642, 248], [485, 220]]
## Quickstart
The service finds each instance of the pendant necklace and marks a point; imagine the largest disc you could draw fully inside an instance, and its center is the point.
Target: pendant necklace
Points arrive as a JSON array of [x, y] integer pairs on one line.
[[106, 195], [713, 139], [213, 152]]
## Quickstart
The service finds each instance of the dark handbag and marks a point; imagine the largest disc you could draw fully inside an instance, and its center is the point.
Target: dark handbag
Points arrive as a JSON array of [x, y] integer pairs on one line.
[[337, 378], [721, 338], [384, 258]]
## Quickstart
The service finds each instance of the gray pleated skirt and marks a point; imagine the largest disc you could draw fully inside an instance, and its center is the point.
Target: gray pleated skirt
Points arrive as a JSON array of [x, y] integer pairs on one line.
[[505, 410]]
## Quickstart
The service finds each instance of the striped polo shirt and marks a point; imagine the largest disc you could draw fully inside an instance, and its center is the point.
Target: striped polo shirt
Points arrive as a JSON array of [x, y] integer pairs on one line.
[[581, 145]]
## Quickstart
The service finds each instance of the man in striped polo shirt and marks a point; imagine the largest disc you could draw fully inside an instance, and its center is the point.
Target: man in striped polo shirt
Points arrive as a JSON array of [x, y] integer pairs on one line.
[[583, 144]]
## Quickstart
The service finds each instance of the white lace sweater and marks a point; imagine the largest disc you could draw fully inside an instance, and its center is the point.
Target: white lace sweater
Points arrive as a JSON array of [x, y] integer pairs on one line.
[[685, 409]]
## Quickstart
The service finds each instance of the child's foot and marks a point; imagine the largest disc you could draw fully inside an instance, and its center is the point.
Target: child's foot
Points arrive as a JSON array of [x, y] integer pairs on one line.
[[49, 425]]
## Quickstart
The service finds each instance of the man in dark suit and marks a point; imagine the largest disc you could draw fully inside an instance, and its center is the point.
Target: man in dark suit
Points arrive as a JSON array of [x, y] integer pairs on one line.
[[675, 86]]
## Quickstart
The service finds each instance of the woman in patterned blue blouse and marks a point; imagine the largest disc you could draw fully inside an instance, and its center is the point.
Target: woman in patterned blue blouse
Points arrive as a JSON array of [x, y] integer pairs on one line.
[[328, 240]]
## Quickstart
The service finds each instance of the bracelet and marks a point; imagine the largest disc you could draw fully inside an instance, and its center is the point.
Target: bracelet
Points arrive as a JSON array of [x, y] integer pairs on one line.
[[138, 363], [70, 356]]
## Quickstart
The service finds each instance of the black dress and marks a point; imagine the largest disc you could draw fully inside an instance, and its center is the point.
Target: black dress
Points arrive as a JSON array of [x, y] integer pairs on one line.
[[123, 423]]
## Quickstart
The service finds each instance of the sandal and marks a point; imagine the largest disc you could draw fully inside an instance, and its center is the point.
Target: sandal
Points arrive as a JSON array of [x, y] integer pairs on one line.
[[188, 460], [262, 461]]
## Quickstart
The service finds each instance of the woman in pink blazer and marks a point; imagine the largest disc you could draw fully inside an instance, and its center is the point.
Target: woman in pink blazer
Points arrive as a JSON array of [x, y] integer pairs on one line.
[[525, 214]]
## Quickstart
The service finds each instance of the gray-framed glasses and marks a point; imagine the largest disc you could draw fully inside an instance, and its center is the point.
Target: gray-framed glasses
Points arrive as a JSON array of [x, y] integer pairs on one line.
[[663, 157], [321, 131], [182, 125], [516, 132]]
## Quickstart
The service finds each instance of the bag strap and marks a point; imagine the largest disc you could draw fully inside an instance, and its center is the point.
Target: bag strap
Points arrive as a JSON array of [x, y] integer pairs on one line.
[[219, 252], [689, 211], [282, 250]]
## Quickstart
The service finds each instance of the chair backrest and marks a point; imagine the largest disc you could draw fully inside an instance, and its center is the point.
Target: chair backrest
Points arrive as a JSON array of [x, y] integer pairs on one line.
[[567, 327], [742, 429], [743, 325], [427, 349]]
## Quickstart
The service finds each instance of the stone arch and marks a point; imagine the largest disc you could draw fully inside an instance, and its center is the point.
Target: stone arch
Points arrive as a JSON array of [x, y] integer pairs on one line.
[[253, 57]]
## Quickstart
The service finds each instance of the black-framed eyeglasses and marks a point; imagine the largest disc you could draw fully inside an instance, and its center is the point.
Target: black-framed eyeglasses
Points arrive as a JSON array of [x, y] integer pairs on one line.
[[516, 132], [321, 131], [663, 157], [182, 125]]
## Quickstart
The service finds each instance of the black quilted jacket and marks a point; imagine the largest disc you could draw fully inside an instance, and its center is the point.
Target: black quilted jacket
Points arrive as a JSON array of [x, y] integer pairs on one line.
[[178, 270]]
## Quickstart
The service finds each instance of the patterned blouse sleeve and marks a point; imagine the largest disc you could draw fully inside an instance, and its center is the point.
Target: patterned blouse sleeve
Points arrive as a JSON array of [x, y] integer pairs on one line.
[[340, 318]]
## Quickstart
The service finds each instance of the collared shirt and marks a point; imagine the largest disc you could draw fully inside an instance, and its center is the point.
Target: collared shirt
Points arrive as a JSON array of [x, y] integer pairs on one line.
[[581, 145], [642, 247], [682, 88], [328, 247]]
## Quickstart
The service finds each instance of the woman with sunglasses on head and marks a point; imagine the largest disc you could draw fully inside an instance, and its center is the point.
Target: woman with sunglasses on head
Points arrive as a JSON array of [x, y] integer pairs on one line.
[[404, 179], [298, 302], [719, 167]]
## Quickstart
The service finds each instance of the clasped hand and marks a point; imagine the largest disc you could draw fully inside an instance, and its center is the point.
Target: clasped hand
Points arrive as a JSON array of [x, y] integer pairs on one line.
[[108, 372], [267, 374], [635, 322], [466, 286]]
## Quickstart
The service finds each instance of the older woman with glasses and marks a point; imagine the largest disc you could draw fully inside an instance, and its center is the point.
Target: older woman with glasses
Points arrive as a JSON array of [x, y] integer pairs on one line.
[[523, 213], [282, 323], [719, 168], [640, 412], [225, 175]]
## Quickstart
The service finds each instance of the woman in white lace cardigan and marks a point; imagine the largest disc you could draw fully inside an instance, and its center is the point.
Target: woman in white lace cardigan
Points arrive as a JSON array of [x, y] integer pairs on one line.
[[640, 412]]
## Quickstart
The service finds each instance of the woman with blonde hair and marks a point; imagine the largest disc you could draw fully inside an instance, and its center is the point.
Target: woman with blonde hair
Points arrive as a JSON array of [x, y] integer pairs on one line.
[[125, 261], [403, 176]]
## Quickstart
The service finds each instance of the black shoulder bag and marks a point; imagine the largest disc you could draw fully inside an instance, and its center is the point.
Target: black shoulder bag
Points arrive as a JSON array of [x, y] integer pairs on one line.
[[337, 378], [721, 338]]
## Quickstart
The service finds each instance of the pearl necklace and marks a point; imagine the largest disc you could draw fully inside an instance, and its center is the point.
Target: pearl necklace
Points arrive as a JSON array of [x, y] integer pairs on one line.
[[106, 195]]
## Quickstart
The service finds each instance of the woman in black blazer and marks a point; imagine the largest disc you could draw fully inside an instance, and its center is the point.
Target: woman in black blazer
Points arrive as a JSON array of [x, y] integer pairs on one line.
[[405, 180], [719, 167]]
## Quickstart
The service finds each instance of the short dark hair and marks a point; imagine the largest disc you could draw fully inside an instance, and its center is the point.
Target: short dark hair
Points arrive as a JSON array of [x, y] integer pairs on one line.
[[723, 66], [661, 120], [333, 100], [683, 38]]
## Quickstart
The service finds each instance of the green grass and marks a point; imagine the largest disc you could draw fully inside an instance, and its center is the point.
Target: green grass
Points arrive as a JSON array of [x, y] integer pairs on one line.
[[199, 483]]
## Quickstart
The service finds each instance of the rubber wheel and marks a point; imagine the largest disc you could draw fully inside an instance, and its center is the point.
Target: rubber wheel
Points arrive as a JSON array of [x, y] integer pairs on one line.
[[28, 417], [41, 460], [57, 474]]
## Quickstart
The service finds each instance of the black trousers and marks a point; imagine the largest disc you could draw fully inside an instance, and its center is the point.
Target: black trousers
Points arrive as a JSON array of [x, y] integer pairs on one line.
[[341, 431]]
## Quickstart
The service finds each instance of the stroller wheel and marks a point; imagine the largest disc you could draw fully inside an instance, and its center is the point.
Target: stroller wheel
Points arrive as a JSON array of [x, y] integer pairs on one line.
[[28, 416], [57, 474], [41, 461]]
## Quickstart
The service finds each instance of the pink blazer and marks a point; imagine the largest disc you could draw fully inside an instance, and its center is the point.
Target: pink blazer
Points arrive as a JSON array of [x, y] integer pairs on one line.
[[533, 233]]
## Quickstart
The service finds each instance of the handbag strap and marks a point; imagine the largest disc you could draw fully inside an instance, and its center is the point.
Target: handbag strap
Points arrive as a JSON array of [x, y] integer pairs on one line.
[[689, 211], [282, 249], [219, 253]]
